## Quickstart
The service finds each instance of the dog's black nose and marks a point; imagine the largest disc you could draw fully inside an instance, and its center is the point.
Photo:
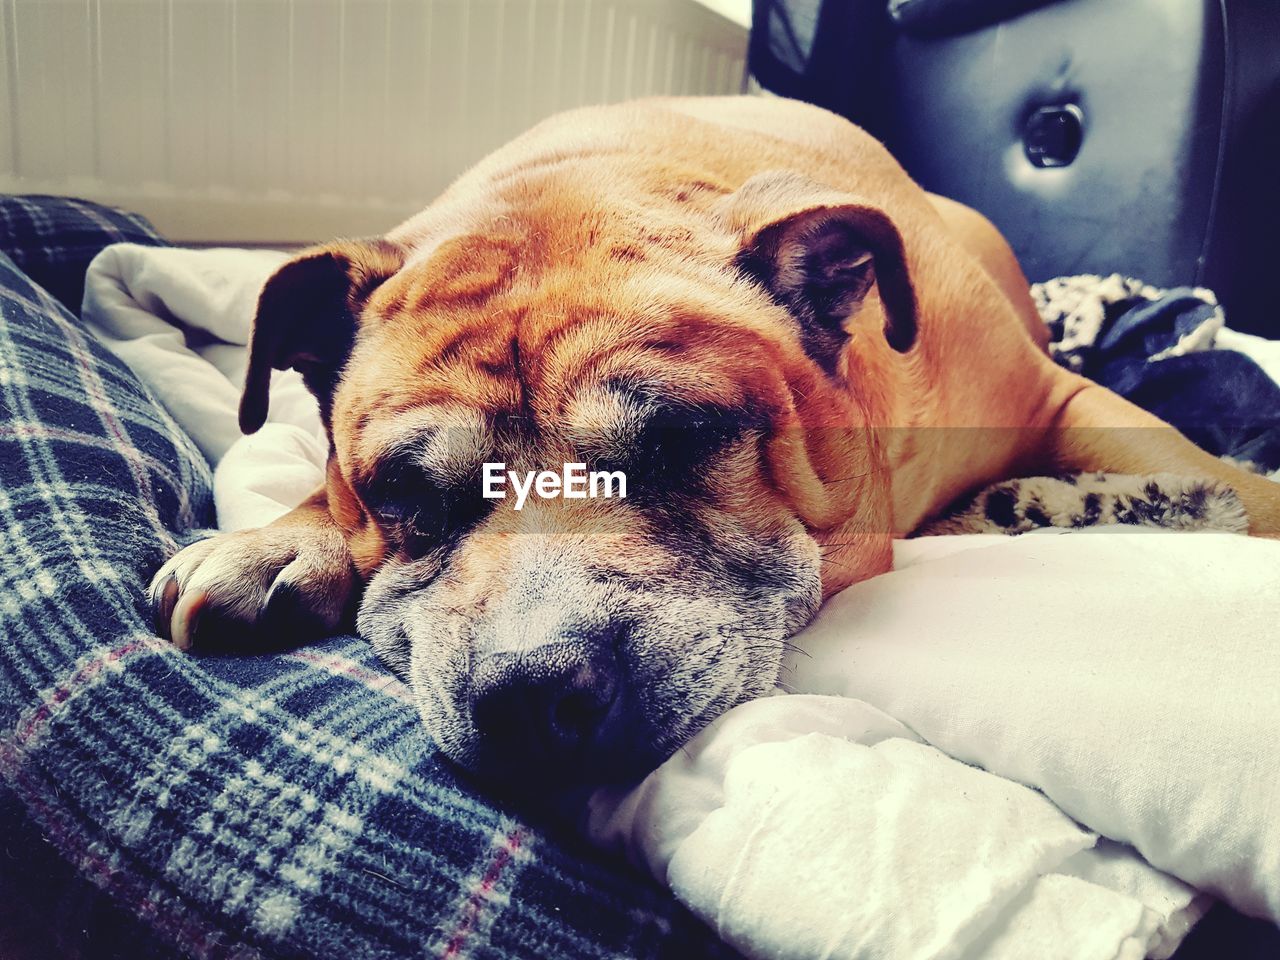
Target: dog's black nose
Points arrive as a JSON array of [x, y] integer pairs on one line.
[[547, 704]]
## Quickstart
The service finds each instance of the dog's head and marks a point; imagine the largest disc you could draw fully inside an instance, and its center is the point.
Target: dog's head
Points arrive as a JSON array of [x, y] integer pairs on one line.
[[697, 353]]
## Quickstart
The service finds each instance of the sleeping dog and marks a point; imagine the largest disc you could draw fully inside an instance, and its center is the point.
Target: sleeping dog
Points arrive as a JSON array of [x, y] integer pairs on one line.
[[745, 307]]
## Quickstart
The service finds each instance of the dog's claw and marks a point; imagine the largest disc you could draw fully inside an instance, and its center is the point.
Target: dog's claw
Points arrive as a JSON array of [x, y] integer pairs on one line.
[[186, 618], [164, 598]]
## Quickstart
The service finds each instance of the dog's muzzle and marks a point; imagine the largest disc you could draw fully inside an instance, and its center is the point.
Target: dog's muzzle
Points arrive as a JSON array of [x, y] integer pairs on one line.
[[559, 704]]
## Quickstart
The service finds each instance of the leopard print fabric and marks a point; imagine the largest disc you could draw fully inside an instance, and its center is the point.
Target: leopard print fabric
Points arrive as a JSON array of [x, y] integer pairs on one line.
[[1075, 311], [1094, 499]]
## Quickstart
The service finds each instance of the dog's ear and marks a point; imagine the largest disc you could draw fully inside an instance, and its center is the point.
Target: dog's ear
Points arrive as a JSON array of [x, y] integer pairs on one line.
[[819, 252], [307, 317]]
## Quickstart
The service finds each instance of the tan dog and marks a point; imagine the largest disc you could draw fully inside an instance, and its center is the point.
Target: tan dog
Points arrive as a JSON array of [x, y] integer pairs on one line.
[[793, 352]]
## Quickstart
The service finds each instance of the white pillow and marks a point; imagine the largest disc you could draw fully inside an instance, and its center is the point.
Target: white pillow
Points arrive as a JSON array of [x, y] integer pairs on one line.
[[1132, 676]]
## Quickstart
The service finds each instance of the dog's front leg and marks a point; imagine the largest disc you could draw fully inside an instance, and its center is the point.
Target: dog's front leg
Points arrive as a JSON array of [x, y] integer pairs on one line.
[[1100, 430], [278, 585]]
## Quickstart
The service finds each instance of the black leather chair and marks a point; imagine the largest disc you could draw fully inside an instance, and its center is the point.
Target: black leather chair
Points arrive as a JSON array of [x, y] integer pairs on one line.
[[1132, 136]]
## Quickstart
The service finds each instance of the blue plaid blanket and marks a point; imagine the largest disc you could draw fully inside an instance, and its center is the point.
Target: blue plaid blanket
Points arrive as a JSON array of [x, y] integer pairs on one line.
[[157, 805]]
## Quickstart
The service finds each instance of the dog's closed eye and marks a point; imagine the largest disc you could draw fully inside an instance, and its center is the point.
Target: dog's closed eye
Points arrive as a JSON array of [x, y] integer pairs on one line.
[[419, 512], [677, 437], [659, 439]]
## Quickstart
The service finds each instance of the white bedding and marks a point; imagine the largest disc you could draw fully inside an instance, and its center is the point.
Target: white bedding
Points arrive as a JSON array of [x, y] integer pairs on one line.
[[1133, 678], [1130, 678], [181, 319]]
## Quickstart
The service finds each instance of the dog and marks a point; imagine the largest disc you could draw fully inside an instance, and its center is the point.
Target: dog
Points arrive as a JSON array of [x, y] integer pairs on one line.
[[744, 305]]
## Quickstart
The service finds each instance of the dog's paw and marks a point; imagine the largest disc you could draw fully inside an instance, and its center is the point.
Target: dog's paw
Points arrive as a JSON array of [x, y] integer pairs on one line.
[[268, 587]]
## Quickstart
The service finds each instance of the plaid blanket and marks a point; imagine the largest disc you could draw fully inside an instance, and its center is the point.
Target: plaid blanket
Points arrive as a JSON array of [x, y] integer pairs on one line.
[[153, 804], [52, 239]]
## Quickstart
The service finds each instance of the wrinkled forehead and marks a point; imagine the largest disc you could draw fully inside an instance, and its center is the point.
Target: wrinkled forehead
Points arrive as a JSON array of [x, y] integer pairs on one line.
[[580, 356], [604, 421]]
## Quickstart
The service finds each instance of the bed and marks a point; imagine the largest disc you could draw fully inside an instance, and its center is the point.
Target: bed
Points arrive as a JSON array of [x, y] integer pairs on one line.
[[284, 805], [157, 805]]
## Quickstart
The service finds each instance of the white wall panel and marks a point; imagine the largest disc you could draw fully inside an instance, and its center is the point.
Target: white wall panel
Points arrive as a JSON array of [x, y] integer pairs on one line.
[[295, 120]]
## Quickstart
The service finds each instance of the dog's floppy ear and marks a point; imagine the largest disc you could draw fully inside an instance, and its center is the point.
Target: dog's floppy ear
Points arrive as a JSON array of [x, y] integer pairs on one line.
[[307, 317], [818, 252]]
